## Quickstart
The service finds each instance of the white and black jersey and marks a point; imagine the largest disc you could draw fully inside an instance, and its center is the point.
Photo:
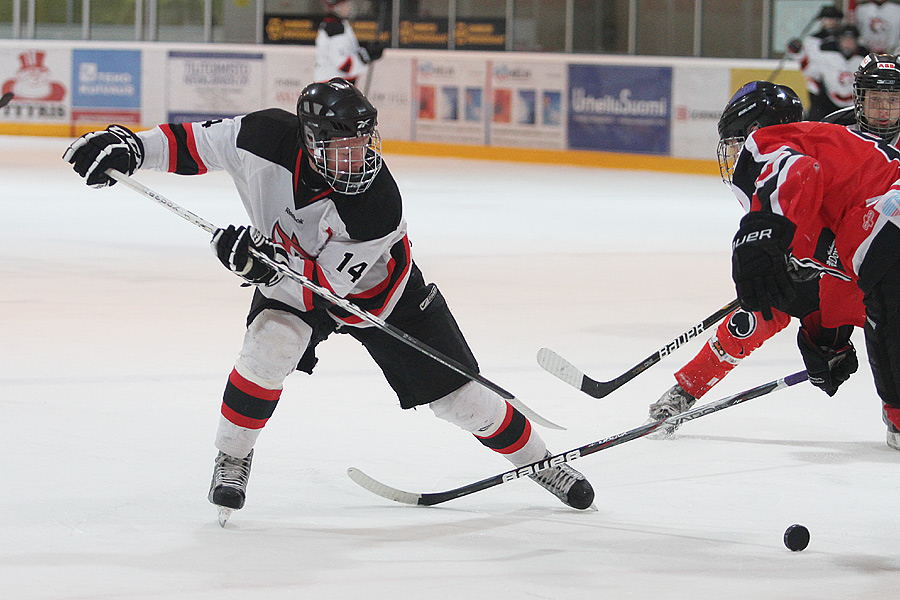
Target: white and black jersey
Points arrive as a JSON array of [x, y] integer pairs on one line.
[[337, 51], [879, 25], [356, 245]]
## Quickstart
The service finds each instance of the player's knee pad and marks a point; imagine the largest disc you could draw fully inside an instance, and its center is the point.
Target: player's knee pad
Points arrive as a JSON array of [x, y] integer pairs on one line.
[[273, 345], [472, 407], [743, 331]]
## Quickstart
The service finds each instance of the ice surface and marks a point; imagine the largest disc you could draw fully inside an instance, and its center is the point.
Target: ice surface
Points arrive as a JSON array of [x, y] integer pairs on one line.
[[119, 327]]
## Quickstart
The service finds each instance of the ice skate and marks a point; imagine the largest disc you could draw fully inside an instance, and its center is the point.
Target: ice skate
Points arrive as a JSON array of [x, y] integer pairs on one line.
[[567, 484], [893, 433], [674, 402], [228, 488]]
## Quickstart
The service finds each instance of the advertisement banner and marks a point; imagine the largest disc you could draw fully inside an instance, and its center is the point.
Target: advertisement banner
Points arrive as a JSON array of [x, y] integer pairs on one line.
[[620, 108], [288, 71], [213, 85], [527, 104], [291, 29], [106, 86], [451, 105], [699, 94], [430, 34], [390, 93], [40, 80], [480, 34]]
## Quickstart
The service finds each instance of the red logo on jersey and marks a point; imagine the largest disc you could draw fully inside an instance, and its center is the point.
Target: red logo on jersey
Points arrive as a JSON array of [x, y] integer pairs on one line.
[[290, 244]]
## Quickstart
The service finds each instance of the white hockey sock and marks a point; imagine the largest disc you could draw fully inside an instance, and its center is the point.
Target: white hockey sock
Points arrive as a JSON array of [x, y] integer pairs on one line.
[[477, 410], [235, 440]]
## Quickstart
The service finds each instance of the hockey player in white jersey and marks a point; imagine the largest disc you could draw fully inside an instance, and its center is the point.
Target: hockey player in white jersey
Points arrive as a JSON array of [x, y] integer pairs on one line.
[[338, 52], [321, 199], [879, 25]]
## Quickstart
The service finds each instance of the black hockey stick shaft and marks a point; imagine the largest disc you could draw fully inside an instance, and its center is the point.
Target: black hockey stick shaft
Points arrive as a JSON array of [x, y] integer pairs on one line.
[[430, 499], [561, 368], [343, 303], [784, 57], [382, 6], [5, 99]]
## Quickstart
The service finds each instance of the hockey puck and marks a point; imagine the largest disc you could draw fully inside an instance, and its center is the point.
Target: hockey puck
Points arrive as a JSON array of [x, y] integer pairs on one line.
[[4, 100], [796, 538]]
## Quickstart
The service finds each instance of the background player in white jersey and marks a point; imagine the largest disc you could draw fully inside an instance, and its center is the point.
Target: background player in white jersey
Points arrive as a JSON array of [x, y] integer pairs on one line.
[[321, 199], [806, 51], [831, 71], [879, 25], [338, 52]]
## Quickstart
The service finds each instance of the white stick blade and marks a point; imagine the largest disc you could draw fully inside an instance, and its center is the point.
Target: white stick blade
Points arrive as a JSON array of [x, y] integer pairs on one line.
[[380, 489], [533, 416], [559, 367]]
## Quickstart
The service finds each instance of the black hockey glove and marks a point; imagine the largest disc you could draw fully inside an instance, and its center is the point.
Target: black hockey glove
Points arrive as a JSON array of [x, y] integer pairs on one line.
[[93, 153], [371, 51], [759, 262], [828, 366], [232, 246]]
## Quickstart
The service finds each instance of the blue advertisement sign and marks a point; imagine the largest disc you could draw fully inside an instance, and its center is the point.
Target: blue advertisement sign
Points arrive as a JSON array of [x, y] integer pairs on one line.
[[106, 85], [620, 108]]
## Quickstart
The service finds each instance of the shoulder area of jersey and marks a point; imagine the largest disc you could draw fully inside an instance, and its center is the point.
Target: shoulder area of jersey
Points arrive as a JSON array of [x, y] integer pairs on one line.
[[332, 25]]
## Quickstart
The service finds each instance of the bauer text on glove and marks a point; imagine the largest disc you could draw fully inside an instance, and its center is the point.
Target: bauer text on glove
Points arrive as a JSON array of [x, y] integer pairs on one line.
[[759, 262]]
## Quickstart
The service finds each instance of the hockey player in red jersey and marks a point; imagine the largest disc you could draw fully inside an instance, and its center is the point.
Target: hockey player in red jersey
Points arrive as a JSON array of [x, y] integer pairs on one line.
[[321, 199], [876, 98], [824, 335], [796, 179]]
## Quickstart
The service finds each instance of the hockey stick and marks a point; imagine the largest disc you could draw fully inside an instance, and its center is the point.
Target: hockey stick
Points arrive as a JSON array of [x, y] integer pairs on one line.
[[556, 365], [370, 68], [430, 499], [343, 303], [784, 56], [4, 100]]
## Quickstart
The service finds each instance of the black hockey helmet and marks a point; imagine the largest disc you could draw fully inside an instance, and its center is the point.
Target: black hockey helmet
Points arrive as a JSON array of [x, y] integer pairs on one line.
[[830, 12], [755, 105], [331, 113], [878, 73]]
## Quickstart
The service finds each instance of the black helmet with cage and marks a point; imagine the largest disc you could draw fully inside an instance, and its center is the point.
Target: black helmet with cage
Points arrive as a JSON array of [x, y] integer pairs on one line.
[[755, 105], [338, 129], [876, 95]]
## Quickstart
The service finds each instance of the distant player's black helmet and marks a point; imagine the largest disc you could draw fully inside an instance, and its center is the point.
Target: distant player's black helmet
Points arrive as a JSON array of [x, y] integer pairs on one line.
[[876, 95], [756, 105], [338, 129]]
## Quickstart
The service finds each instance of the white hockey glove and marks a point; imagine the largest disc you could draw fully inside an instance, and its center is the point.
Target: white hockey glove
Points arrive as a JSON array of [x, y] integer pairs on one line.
[[232, 246], [93, 153]]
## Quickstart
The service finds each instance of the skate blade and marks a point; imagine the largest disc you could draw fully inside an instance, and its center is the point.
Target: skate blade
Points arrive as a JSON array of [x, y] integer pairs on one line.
[[224, 513]]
